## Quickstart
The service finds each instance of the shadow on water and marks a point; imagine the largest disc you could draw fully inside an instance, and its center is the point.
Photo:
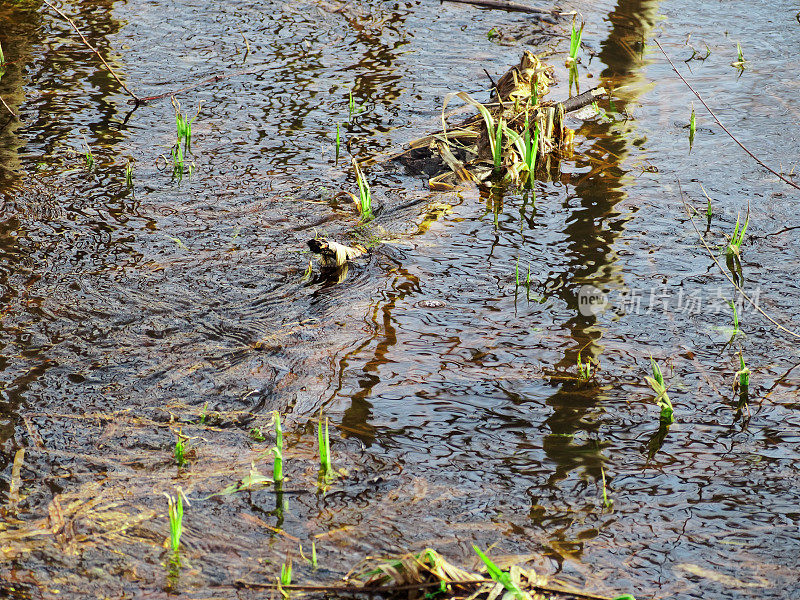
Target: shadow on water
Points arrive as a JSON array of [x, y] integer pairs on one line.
[[596, 225]]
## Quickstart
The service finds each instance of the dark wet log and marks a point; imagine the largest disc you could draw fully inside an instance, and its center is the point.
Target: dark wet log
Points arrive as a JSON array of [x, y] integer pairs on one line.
[[584, 99], [504, 5]]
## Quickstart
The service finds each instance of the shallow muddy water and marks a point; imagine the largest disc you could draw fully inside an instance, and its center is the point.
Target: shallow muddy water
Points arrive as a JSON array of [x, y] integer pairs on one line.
[[132, 316]]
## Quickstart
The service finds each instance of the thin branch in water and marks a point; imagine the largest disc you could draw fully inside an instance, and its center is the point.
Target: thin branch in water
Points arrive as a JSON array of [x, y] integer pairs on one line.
[[8, 108], [93, 49], [728, 277], [197, 84], [718, 122], [506, 5]]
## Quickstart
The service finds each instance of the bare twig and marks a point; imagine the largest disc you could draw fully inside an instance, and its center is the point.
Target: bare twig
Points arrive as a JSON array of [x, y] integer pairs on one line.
[[584, 99], [728, 277], [197, 84], [510, 6], [93, 49], [718, 122]]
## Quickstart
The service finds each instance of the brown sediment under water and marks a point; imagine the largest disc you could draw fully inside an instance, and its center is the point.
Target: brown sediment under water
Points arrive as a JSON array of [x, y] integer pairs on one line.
[[131, 317]]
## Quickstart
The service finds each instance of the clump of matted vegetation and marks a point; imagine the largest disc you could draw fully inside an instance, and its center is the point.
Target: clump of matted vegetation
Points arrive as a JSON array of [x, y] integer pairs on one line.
[[427, 574], [510, 135]]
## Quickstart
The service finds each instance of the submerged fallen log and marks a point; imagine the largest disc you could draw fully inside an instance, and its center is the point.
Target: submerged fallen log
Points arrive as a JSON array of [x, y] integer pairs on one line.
[[514, 130]]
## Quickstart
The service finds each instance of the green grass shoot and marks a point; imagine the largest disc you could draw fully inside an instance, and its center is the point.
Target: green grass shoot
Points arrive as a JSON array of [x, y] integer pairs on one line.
[[526, 148], [575, 42], [528, 284], [286, 573], [743, 374], [204, 414], [735, 241], [530, 148], [277, 450], [326, 470], [740, 62], [516, 272], [662, 399], [607, 502], [177, 162], [497, 147], [313, 560], [692, 128], [129, 175], [354, 109], [501, 576], [179, 451], [175, 510], [88, 156], [736, 331], [364, 199], [257, 435], [491, 130], [2, 57], [338, 142], [585, 369], [709, 210]]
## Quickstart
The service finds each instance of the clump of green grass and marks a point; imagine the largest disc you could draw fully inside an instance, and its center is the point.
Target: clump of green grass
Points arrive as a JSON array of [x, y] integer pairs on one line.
[[277, 450], [323, 441], [735, 241], [575, 42], [586, 370], [492, 34], [740, 62], [662, 399], [183, 127], [352, 107], [179, 452], [175, 511], [526, 148], [364, 199]]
